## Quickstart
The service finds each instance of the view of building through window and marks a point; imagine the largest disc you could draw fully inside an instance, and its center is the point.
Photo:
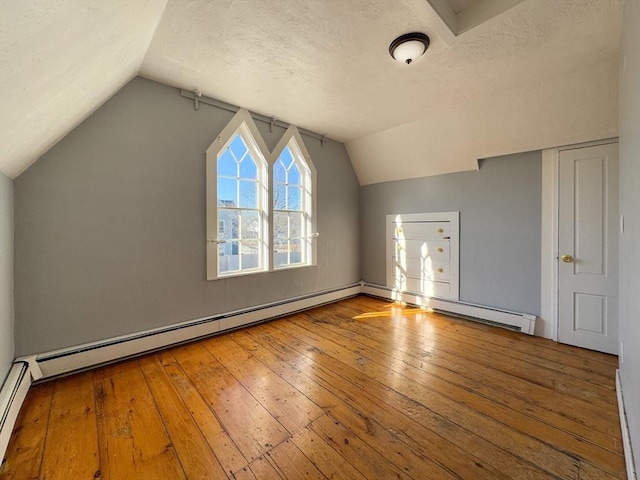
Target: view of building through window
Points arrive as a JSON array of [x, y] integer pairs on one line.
[[289, 222], [239, 208], [260, 207]]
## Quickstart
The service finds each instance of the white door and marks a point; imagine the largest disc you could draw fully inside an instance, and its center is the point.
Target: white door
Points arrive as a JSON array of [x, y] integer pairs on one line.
[[588, 248]]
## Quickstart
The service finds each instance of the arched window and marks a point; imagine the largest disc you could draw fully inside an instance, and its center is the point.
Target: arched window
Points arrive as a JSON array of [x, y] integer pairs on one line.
[[260, 205], [237, 190], [293, 178]]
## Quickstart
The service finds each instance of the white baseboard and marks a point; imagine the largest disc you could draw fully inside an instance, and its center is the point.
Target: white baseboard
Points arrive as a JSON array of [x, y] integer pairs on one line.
[[626, 438], [523, 321], [14, 390], [60, 362]]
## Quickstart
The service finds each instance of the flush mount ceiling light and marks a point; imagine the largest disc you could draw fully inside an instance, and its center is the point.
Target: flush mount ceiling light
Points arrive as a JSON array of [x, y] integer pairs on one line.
[[409, 47]]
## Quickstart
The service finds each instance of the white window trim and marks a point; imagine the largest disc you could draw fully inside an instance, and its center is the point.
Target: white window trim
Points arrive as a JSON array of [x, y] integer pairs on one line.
[[241, 121], [293, 133]]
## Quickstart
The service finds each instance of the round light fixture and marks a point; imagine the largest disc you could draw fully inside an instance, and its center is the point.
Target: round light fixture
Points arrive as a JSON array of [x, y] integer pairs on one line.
[[409, 47]]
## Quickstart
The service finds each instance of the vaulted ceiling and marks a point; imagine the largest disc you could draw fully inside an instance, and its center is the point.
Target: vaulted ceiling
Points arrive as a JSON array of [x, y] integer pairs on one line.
[[529, 74]]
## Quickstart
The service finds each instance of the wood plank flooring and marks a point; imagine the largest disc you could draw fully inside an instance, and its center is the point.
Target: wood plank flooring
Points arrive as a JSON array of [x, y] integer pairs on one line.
[[361, 389]]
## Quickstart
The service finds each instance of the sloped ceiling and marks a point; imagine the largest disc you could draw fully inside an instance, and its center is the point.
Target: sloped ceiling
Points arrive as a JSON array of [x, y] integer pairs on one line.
[[59, 61], [322, 65]]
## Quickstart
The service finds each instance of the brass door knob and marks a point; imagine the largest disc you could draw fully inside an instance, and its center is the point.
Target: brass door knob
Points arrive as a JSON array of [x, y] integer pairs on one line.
[[566, 258], [440, 270]]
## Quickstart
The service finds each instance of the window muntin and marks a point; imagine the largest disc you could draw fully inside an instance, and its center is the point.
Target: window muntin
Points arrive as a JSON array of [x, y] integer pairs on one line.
[[242, 177], [240, 206], [291, 208]]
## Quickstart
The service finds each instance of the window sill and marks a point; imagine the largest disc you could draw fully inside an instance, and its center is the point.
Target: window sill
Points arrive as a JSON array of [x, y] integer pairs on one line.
[[258, 272]]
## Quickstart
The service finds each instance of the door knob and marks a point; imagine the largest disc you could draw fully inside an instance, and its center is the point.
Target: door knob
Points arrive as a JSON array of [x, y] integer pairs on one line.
[[566, 258]]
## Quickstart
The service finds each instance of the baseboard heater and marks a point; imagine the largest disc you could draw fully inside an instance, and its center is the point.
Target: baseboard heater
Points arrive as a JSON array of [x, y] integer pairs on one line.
[[13, 392], [522, 322], [48, 365], [90, 355]]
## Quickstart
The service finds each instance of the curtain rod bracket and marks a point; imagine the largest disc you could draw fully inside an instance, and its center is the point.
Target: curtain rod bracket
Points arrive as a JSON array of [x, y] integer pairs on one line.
[[199, 98], [196, 99], [273, 120]]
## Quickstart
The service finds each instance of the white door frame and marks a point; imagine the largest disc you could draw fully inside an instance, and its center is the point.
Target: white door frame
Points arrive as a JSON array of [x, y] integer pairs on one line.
[[548, 325]]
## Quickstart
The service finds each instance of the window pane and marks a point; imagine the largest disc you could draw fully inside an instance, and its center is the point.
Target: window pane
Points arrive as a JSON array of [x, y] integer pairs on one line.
[[238, 146], [229, 260], [293, 200], [279, 173], [279, 197], [294, 175], [250, 252], [281, 255], [248, 194], [295, 255], [280, 226], [286, 157], [248, 168], [230, 219], [227, 165], [250, 227], [227, 192], [295, 225]]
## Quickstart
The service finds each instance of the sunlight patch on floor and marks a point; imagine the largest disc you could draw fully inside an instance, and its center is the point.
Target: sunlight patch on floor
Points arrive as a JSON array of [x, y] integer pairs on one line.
[[395, 310]]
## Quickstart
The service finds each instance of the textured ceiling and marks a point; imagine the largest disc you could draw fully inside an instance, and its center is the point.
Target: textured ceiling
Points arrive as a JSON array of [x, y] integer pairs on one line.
[[59, 61], [320, 64]]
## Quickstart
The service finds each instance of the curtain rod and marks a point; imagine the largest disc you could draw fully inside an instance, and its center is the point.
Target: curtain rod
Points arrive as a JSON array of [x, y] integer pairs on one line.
[[199, 98]]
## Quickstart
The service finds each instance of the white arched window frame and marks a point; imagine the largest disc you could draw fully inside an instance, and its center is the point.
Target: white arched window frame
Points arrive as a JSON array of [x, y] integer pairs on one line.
[[292, 201], [238, 234]]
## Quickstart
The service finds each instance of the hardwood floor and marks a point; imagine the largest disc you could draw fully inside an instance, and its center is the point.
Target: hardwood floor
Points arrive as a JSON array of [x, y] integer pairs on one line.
[[361, 389]]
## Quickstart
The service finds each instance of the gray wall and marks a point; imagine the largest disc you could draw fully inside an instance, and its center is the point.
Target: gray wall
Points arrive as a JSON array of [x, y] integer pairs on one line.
[[6, 276], [110, 225], [499, 209], [630, 208]]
